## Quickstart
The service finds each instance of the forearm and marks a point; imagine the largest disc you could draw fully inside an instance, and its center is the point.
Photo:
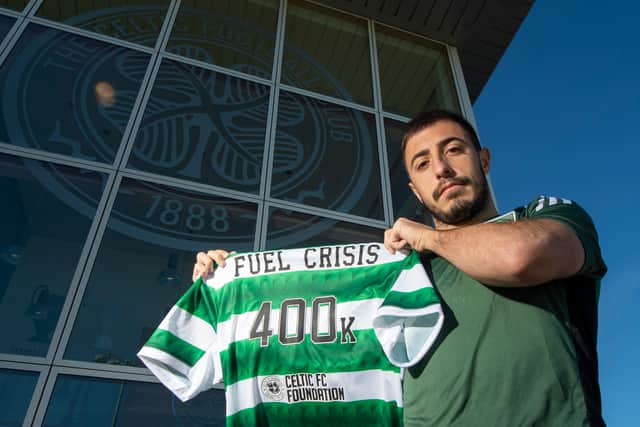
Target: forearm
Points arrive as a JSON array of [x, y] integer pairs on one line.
[[523, 253]]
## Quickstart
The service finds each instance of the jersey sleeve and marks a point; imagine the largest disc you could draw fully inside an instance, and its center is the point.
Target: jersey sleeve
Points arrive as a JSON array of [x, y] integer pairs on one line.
[[571, 214], [183, 351], [410, 316]]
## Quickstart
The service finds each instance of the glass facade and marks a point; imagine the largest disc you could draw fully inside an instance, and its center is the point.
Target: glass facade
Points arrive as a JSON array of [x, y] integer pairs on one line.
[[41, 240], [85, 113], [5, 25], [14, 4], [327, 52], [16, 388], [415, 74], [136, 133], [137, 21], [81, 401]]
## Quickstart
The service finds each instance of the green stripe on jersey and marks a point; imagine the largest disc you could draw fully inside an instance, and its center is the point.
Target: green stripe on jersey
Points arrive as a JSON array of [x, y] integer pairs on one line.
[[370, 413], [247, 359], [412, 300], [178, 348], [363, 283], [199, 300]]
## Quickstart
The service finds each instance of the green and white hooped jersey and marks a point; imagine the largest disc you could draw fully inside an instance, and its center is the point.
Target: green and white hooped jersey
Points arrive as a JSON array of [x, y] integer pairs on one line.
[[301, 336]]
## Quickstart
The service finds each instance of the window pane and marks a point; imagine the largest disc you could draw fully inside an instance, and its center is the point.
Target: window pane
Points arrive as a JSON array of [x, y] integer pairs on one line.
[[236, 34], [16, 388], [137, 21], [5, 25], [327, 52], [289, 229], [145, 262], [81, 402], [405, 203], [415, 74], [203, 126], [326, 155], [85, 112], [14, 4], [46, 214]]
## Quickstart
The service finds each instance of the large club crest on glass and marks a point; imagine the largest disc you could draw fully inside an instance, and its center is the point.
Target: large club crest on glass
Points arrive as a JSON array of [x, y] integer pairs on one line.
[[203, 126]]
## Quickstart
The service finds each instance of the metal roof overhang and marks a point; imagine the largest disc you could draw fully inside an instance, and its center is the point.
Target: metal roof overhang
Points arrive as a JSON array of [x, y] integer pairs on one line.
[[481, 30]]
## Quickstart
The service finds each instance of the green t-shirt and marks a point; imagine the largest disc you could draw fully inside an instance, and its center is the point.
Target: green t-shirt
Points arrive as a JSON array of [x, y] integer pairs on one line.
[[513, 356]]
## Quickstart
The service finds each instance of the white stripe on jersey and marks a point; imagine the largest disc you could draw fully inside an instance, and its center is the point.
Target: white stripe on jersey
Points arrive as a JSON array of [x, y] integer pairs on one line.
[[189, 328], [552, 202], [154, 356], [235, 329], [374, 384], [184, 381], [295, 263], [407, 335], [411, 280]]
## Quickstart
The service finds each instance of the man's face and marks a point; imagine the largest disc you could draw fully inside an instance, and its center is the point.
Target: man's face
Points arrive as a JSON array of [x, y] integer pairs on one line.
[[447, 173]]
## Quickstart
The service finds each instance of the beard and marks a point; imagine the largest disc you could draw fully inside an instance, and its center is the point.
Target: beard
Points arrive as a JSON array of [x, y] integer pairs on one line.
[[462, 210]]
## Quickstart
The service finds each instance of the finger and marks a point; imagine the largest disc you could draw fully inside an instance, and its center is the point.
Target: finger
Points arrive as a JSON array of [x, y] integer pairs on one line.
[[195, 274], [202, 258], [204, 264], [219, 256], [401, 244], [200, 269], [388, 237], [217, 252]]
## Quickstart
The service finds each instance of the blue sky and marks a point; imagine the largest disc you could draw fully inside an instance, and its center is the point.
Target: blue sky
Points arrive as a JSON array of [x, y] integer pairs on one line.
[[561, 114]]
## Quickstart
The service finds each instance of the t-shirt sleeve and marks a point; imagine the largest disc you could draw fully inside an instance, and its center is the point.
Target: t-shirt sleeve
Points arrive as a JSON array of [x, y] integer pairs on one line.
[[410, 316], [570, 213], [183, 351]]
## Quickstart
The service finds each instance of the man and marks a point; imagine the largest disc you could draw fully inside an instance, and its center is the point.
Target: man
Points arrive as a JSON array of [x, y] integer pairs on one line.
[[520, 291], [519, 342]]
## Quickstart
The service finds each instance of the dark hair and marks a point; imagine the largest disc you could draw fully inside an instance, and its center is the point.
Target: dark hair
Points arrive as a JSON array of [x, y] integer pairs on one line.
[[429, 118]]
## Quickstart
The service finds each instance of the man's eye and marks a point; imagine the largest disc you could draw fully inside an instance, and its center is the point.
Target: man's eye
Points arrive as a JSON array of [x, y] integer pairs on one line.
[[454, 149], [422, 164]]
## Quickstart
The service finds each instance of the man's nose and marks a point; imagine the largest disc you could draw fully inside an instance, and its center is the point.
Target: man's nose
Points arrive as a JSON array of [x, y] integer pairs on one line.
[[441, 167]]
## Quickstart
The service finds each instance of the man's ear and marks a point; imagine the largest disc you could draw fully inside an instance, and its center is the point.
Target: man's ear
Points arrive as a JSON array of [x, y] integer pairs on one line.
[[413, 188], [485, 159]]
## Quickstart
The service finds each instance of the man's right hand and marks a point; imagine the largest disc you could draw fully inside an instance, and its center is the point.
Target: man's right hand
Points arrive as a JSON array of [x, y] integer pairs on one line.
[[407, 234], [206, 262]]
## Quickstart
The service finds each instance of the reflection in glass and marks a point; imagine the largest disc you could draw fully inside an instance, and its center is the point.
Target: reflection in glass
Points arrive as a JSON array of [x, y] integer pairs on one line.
[[415, 74], [236, 34], [46, 214], [290, 229], [5, 25], [137, 21], [14, 4], [203, 126], [405, 203], [76, 116], [16, 388], [145, 263], [82, 402], [326, 155], [327, 52]]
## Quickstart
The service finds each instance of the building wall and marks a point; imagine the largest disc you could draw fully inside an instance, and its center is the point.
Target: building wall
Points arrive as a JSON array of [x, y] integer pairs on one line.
[[135, 133]]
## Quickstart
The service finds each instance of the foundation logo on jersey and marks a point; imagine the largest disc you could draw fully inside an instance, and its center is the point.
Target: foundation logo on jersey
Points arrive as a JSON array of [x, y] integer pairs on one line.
[[197, 125], [301, 387], [272, 388]]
